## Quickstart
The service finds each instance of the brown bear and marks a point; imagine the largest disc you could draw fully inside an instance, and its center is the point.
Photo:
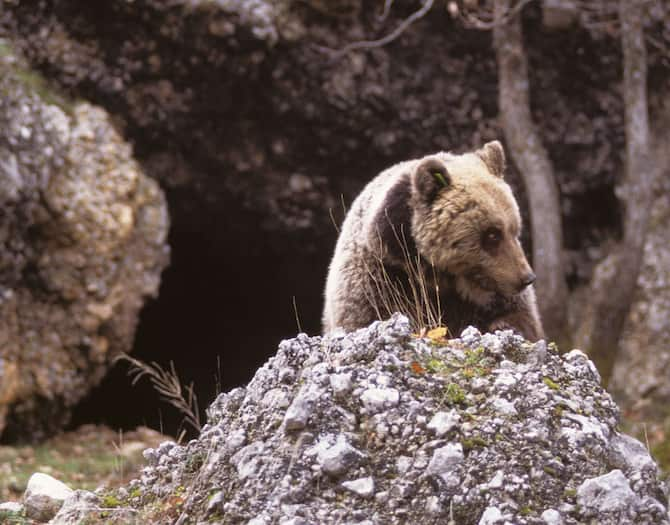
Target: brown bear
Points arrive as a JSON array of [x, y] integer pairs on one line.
[[437, 236]]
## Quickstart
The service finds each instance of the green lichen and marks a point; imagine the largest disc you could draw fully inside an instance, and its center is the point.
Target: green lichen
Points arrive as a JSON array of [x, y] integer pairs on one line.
[[436, 366], [474, 356], [469, 373], [110, 501], [454, 394], [32, 81], [474, 442], [570, 493], [551, 471], [551, 383]]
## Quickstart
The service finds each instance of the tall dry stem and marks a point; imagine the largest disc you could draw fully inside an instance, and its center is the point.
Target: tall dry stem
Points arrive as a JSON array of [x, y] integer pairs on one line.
[[169, 388]]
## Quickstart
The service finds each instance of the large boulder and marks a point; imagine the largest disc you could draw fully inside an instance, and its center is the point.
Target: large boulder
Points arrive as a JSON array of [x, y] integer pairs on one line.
[[382, 426], [83, 235]]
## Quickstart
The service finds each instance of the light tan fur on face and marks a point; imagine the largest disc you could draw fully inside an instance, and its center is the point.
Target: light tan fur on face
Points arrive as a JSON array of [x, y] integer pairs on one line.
[[448, 232]]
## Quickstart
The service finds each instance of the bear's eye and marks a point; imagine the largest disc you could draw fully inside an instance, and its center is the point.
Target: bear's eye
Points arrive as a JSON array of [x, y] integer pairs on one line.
[[491, 239]]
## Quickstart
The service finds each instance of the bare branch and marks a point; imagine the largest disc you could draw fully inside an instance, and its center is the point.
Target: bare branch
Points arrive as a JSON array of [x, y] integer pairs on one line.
[[370, 44]]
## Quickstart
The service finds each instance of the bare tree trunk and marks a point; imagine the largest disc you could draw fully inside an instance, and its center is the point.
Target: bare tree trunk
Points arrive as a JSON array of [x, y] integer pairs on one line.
[[615, 280], [533, 162]]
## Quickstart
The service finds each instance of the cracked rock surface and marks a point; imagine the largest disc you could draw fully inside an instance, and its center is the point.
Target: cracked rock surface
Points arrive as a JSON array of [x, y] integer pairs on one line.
[[83, 237], [481, 429]]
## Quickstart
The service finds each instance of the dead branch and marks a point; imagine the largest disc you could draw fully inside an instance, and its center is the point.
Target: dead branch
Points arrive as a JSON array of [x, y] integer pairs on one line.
[[371, 44], [536, 170], [386, 11]]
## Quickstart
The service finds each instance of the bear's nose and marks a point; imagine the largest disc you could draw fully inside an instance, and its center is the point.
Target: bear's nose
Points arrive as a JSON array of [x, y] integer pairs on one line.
[[528, 279]]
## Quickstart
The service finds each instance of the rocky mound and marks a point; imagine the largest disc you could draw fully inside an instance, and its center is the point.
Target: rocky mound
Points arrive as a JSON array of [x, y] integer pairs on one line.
[[83, 245], [381, 426]]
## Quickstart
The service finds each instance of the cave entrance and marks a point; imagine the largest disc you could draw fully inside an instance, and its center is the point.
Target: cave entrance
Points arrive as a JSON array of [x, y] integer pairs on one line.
[[225, 303]]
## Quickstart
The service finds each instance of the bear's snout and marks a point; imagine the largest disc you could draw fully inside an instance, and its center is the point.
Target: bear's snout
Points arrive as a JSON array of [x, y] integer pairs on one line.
[[527, 280]]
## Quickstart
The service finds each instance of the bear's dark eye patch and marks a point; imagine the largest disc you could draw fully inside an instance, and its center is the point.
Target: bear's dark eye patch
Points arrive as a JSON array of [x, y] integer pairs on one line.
[[491, 239]]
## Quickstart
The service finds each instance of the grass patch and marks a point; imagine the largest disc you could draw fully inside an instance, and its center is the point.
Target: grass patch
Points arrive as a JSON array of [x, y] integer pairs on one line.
[[86, 458]]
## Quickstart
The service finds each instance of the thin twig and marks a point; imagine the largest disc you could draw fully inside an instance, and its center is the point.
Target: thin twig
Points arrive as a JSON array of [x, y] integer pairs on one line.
[[332, 218], [371, 44], [646, 437], [297, 317], [386, 11]]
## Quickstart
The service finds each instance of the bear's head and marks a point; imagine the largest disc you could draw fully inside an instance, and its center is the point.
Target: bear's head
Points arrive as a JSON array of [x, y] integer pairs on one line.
[[465, 221]]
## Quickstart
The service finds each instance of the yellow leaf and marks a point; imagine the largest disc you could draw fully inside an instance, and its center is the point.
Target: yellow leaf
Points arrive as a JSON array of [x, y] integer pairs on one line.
[[437, 333]]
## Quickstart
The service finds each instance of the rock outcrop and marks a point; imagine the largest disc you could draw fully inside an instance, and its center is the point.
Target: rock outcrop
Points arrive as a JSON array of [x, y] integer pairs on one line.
[[381, 426], [83, 235]]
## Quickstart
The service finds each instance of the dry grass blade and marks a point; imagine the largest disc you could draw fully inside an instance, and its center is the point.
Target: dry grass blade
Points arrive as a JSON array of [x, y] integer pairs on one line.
[[414, 291], [168, 386]]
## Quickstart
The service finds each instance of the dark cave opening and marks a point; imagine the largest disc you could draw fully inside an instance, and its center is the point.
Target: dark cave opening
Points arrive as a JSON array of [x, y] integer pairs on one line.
[[224, 305]]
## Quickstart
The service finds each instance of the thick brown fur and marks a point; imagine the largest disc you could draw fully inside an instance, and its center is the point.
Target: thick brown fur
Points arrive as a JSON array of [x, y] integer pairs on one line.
[[455, 219]]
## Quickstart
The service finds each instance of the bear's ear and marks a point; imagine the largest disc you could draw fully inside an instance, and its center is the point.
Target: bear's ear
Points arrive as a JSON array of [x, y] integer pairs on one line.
[[429, 178], [493, 156]]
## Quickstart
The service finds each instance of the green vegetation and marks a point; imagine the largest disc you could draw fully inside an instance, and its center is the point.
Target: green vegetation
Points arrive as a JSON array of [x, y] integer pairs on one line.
[[570, 493], [14, 518], [474, 356], [551, 383], [33, 82], [111, 501], [85, 459], [474, 442], [454, 394], [550, 471]]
